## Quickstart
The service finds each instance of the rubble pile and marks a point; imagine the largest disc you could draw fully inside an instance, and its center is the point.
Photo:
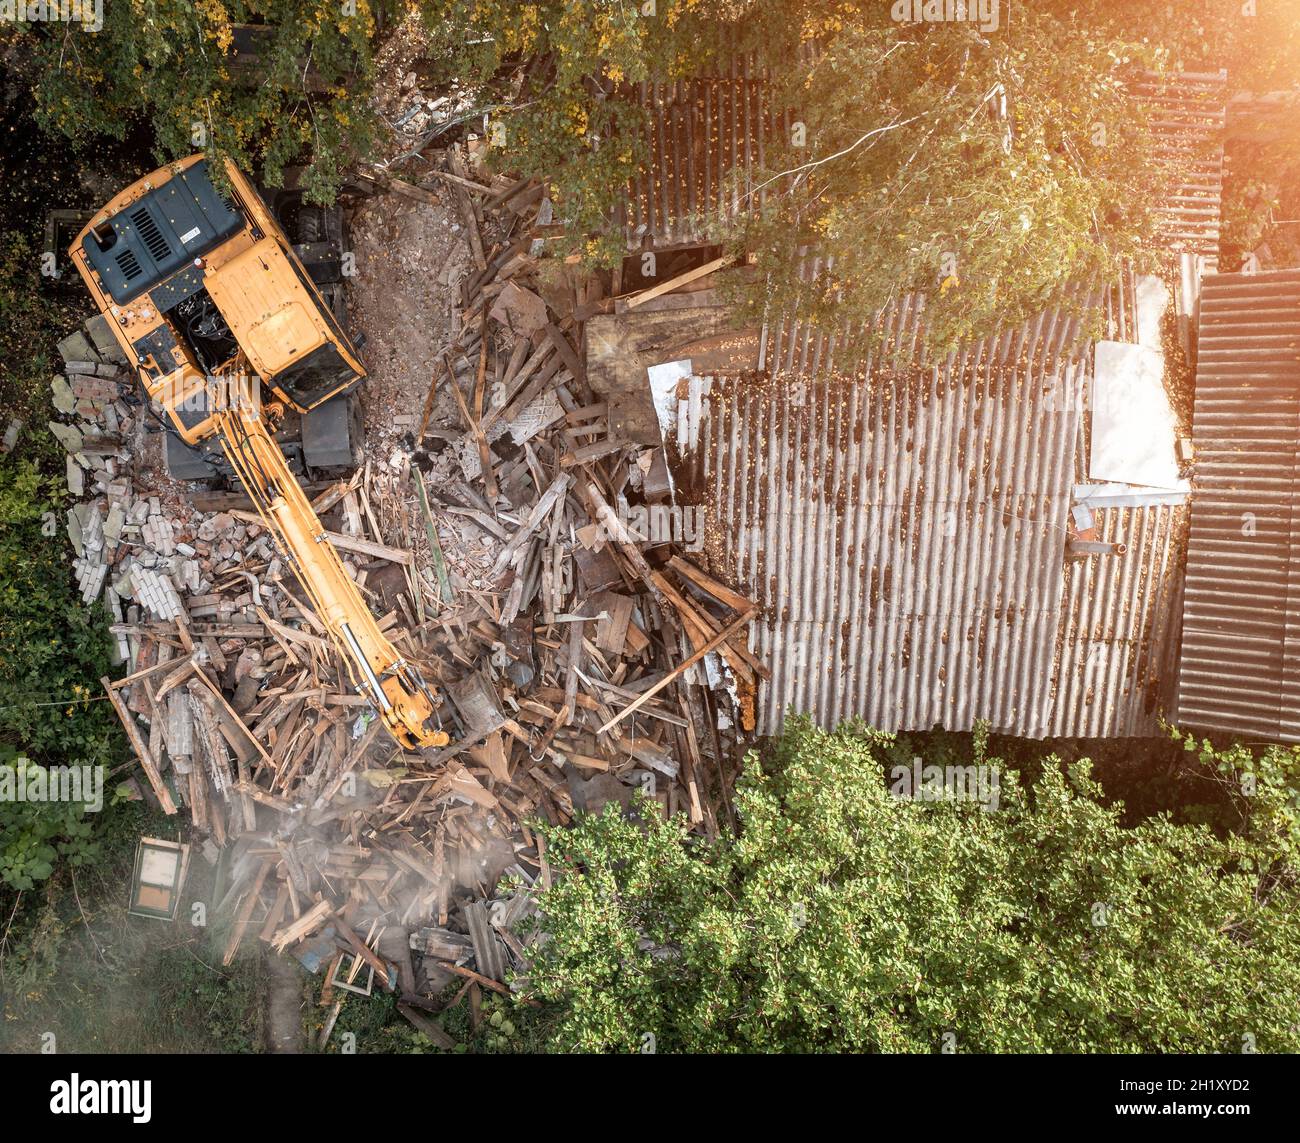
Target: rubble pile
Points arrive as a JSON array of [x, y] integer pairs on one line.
[[573, 656]]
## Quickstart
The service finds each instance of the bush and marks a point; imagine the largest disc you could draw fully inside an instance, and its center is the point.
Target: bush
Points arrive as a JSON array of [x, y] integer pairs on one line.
[[844, 918], [53, 650]]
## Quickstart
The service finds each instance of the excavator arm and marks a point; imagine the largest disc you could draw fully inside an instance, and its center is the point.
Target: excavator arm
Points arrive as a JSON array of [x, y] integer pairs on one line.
[[395, 686]]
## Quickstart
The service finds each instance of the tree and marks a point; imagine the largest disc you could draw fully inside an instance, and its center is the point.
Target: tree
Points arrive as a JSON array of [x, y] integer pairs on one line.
[[554, 81], [986, 168], [169, 62], [845, 918]]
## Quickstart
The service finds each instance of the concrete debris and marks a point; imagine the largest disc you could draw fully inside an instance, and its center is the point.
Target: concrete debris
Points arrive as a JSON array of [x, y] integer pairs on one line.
[[520, 309], [69, 436], [90, 578], [157, 593], [158, 533], [65, 400]]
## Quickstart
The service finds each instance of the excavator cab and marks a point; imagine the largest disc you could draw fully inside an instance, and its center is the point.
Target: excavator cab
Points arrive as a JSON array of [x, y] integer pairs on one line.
[[199, 281]]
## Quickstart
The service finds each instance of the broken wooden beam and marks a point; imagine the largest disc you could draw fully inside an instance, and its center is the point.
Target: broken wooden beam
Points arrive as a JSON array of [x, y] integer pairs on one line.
[[147, 761]]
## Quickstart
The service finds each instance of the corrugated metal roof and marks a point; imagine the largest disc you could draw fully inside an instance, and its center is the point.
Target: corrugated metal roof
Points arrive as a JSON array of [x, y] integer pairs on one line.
[[1188, 125], [705, 137], [1117, 658], [1240, 664], [837, 476], [1117, 655], [903, 531]]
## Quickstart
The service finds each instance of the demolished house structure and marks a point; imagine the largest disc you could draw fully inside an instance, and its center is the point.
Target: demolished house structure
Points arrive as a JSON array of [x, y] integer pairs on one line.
[[1003, 534]]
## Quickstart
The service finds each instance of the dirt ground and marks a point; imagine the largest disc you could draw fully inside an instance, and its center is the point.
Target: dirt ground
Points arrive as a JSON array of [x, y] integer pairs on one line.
[[410, 259], [283, 1006]]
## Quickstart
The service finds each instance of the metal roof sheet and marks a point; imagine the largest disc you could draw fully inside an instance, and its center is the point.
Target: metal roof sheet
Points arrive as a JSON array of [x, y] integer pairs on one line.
[[903, 531], [704, 138], [1240, 662], [904, 528], [1190, 111]]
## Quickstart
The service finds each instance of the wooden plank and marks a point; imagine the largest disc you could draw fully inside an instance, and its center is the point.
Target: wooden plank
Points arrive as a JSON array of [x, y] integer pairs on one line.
[[477, 977], [589, 453], [226, 713], [458, 181], [141, 748], [421, 1023], [484, 449], [364, 951], [428, 401], [435, 548], [408, 190], [504, 196], [611, 632], [489, 953], [717, 641], [369, 548], [293, 932], [720, 591], [534, 521], [467, 214], [700, 626], [634, 300], [572, 362], [137, 675], [245, 914]]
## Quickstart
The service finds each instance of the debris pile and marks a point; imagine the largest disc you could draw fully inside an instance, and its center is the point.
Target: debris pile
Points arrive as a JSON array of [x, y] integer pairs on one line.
[[579, 656]]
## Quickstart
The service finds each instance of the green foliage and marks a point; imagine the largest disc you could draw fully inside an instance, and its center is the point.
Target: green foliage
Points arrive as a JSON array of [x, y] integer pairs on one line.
[[34, 834], [1263, 786], [170, 61], [53, 650], [845, 918], [31, 322], [506, 1026], [987, 170]]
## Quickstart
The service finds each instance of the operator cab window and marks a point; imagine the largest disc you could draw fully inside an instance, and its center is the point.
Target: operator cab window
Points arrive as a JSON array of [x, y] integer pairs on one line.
[[313, 378]]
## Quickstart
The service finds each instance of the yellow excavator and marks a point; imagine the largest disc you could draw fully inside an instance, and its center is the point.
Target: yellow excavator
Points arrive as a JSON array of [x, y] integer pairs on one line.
[[226, 328]]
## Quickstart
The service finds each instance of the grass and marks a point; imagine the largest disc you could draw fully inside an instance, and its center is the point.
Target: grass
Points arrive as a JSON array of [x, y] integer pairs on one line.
[[102, 981]]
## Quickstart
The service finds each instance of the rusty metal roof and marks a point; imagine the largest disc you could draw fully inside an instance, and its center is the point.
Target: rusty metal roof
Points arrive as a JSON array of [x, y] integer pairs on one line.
[[1190, 111], [903, 530], [704, 139], [1240, 663]]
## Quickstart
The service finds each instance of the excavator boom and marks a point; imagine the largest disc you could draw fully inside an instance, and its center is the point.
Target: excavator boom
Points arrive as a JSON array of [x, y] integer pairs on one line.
[[399, 694]]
